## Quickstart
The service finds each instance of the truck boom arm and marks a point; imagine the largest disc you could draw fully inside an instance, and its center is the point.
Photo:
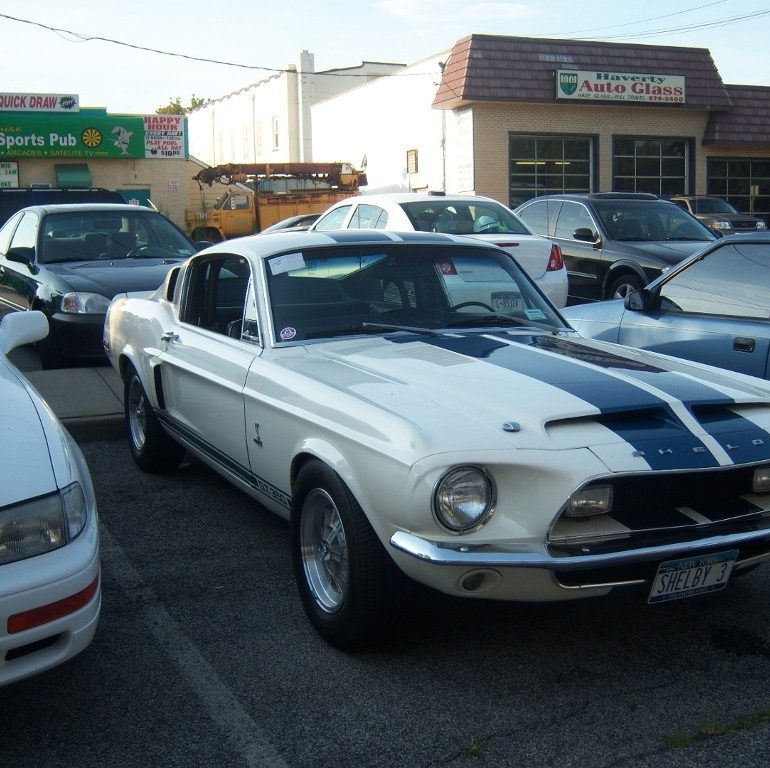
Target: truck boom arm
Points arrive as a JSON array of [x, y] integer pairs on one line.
[[337, 175]]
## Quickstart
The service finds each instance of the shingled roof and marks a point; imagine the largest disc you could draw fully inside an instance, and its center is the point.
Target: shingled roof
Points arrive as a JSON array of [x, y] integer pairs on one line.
[[747, 123], [491, 68]]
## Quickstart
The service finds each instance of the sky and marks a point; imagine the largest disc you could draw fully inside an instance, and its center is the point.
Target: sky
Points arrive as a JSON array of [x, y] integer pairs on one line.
[[47, 49]]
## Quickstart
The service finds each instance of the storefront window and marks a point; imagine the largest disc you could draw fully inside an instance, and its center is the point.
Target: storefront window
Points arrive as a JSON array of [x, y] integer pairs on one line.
[[541, 165], [659, 166], [744, 183]]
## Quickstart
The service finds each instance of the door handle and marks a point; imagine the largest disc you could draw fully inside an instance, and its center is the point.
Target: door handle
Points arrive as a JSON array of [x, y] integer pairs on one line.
[[169, 336], [744, 344]]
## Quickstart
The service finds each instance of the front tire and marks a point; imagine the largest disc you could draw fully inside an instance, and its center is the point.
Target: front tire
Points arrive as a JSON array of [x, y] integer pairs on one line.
[[624, 285], [350, 588], [153, 450]]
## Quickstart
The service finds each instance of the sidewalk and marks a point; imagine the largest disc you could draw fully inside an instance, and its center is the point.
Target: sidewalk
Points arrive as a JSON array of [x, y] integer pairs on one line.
[[88, 401]]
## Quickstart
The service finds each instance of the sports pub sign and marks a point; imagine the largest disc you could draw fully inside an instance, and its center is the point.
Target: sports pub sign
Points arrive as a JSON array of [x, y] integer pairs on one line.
[[590, 85], [32, 125]]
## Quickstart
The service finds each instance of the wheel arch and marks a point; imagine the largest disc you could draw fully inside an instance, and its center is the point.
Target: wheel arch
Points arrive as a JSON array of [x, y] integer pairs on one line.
[[316, 449], [624, 267]]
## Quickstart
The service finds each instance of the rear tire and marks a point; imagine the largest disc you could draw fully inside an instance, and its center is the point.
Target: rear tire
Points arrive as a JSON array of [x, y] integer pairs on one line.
[[350, 588], [153, 450]]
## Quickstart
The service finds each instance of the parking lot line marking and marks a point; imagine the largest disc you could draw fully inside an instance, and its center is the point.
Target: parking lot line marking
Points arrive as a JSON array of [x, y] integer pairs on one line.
[[240, 730]]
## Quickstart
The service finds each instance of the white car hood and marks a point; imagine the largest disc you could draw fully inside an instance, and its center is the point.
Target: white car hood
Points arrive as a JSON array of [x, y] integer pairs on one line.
[[24, 453], [518, 390]]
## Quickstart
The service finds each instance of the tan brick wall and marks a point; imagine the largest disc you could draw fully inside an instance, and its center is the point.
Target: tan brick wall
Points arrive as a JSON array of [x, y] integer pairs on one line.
[[161, 177], [493, 123]]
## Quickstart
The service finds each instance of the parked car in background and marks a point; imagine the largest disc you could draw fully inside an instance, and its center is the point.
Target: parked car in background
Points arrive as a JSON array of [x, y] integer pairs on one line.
[[69, 261], [50, 594], [719, 215], [293, 223], [614, 243], [713, 308], [416, 409], [479, 217]]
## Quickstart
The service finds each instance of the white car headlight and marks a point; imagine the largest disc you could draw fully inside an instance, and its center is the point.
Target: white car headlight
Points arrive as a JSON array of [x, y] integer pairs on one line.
[[464, 499], [722, 225], [42, 525], [761, 224], [592, 501], [79, 303]]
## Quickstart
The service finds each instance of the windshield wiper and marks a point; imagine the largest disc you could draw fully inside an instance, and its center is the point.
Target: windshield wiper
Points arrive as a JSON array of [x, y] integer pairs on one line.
[[370, 328], [406, 328], [502, 320]]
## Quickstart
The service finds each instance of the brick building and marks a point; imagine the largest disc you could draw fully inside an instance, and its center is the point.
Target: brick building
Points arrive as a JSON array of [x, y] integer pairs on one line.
[[513, 118]]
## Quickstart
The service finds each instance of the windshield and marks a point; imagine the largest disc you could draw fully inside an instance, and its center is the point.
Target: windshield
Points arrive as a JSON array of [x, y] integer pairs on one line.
[[412, 288], [458, 217], [711, 205], [92, 235], [631, 221]]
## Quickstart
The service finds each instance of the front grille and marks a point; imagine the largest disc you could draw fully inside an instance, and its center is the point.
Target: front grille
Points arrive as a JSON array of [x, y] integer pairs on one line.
[[666, 508]]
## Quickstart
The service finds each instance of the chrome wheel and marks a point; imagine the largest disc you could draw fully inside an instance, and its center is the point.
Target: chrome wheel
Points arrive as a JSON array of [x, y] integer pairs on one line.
[[324, 550], [136, 406]]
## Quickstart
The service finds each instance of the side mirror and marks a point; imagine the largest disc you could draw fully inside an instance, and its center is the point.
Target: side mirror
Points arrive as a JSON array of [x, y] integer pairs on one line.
[[585, 235], [22, 255], [19, 328], [639, 301]]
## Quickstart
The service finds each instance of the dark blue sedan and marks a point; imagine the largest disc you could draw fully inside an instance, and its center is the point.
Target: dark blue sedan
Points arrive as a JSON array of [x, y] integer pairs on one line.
[[713, 308], [70, 261]]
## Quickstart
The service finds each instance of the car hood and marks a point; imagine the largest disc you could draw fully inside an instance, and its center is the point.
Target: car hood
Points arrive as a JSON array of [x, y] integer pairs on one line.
[[110, 278], [666, 251], [473, 391], [24, 450]]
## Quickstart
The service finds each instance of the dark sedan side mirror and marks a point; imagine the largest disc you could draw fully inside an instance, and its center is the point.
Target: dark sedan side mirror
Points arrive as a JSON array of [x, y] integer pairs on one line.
[[23, 255], [584, 234]]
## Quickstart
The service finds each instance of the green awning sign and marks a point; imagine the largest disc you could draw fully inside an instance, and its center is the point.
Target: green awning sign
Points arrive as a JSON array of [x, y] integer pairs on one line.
[[91, 134]]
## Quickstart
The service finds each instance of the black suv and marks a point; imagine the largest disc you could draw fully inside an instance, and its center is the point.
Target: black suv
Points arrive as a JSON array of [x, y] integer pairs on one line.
[[719, 215], [613, 242], [12, 200]]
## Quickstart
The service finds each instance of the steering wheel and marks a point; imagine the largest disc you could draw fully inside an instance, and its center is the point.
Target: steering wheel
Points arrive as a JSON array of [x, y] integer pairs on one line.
[[472, 304]]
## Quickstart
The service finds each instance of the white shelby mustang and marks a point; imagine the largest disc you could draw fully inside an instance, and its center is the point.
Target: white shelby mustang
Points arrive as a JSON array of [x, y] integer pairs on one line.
[[417, 410]]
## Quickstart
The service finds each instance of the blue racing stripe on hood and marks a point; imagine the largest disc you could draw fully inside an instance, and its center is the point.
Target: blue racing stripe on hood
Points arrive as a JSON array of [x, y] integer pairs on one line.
[[637, 416]]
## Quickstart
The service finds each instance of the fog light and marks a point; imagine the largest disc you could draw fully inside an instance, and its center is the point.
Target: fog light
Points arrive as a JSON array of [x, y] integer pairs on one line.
[[761, 481], [596, 500]]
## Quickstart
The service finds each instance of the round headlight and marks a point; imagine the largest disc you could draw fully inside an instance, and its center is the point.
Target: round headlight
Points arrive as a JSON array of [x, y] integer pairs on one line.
[[464, 499]]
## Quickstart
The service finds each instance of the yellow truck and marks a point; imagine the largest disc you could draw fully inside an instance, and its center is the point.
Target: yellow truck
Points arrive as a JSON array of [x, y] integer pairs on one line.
[[260, 194]]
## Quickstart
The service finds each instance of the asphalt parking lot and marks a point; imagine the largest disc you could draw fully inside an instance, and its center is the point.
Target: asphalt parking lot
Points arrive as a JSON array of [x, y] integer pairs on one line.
[[203, 657]]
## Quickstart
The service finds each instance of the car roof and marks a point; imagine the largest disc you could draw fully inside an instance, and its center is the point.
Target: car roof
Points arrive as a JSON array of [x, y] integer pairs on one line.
[[75, 207], [383, 198], [263, 246], [599, 196]]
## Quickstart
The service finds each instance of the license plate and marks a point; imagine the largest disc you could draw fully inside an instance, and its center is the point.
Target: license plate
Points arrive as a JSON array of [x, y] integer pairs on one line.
[[507, 302], [692, 576]]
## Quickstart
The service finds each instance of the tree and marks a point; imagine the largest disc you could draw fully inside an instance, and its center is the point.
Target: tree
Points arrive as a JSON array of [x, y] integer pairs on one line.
[[175, 106]]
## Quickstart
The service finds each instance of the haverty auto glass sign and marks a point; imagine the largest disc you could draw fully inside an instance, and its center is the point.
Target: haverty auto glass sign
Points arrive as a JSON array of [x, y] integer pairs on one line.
[[584, 85]]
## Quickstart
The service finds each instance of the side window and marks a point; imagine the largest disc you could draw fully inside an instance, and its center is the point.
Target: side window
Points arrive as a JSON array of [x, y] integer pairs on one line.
[[368, 217], [536, 216], [573, 216], [7, 232], [215, 294], [681, 203], [25, 235], [731, 281], [333, 219]]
